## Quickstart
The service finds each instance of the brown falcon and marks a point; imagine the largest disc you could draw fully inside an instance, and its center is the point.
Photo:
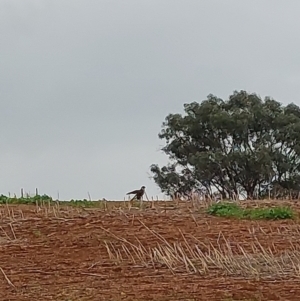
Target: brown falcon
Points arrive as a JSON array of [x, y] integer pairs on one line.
[[138, 193]]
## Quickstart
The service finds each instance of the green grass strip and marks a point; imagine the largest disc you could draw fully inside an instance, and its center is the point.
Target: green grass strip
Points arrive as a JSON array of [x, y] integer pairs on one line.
[[225, 209]]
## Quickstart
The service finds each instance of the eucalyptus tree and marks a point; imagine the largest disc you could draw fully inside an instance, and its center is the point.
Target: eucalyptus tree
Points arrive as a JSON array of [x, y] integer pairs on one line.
[[243, 145]]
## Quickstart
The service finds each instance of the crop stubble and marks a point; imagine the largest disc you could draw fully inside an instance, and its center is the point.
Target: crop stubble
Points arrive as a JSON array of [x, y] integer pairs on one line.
[[69, 254]]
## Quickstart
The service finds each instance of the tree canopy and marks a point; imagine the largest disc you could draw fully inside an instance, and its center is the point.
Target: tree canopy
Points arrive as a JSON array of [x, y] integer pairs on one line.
[[241, 146]]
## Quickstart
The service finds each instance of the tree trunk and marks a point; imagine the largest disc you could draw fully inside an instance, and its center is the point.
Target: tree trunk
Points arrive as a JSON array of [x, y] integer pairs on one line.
[[250, 193]]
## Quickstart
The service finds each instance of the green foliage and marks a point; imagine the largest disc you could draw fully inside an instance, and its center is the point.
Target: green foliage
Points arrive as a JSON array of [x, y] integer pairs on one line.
[[45, 199], [225, 209], [84, 203], [233, 210], [244, 145], [25, 200]]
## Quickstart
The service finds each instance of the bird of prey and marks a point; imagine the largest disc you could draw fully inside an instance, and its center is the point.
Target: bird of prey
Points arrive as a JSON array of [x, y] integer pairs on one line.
[[137, 193]]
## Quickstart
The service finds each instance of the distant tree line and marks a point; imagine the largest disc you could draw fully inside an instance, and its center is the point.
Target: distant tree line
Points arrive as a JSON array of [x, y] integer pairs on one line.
[[244, 146]]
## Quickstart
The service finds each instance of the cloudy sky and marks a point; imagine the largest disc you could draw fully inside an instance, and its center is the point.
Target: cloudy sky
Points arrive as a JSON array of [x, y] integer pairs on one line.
[[86, 85]]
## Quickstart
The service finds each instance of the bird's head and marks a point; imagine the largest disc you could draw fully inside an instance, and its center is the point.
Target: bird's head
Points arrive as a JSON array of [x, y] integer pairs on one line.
[[143, 187]]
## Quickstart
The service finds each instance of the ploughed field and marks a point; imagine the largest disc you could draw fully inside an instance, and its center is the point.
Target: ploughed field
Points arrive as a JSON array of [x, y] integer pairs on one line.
[[169, 251]]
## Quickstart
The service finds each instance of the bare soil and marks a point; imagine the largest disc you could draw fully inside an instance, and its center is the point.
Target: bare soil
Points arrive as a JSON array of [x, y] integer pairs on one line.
[[60, 254]]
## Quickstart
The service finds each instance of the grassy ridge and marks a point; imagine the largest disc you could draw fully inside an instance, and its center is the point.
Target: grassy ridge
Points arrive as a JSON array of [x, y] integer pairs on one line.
[[223, 209]]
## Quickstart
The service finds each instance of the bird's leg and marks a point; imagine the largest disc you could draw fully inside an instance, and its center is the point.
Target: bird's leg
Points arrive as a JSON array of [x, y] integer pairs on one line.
[[141, 203]]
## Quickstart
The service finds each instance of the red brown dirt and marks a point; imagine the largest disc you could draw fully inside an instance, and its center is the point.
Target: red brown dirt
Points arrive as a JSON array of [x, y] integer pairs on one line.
[[64, 258]]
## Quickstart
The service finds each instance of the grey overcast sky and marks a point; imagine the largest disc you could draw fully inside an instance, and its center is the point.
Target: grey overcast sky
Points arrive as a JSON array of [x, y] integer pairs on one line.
[[86, 85]]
